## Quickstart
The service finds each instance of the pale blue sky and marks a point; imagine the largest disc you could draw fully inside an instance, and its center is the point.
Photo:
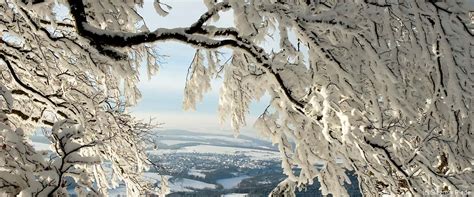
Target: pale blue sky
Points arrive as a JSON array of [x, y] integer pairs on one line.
[[163, 94]]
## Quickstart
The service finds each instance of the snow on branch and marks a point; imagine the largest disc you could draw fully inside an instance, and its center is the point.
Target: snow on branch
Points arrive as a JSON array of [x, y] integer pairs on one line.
[[381, 89]]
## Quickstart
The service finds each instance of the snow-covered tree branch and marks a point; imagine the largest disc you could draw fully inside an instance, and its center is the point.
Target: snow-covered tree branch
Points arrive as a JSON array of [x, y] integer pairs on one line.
[[53, 79], [381, 88]]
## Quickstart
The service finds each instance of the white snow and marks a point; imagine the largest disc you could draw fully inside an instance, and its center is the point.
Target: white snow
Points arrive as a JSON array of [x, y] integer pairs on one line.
[[234, 195], [192, 184], [253, 153], [197, 173], [40, 146], [230, 183], [205, 138], [173, 142], [180, 184]]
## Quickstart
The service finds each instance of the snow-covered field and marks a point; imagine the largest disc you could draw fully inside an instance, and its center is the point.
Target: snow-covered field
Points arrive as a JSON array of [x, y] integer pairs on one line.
[[172, 137], [253, 153], [193, 142], [234, 195], [190, 142], [39, 146], [197, 173], [172, 142], [230, 183], [176, 185], [180, 184]]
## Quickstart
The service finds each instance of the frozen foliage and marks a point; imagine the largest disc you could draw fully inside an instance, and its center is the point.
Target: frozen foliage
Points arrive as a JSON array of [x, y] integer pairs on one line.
[[386, 87], [58, 81]]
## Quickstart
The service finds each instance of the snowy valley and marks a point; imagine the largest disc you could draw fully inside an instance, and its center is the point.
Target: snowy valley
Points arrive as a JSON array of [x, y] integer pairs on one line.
[[210, 164]]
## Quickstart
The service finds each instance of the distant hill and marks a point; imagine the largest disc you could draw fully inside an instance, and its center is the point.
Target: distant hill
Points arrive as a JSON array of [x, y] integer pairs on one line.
[[176, 139]]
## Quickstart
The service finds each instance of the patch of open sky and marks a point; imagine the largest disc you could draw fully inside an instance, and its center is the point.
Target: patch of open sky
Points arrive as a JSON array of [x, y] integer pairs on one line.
[[162, 95]]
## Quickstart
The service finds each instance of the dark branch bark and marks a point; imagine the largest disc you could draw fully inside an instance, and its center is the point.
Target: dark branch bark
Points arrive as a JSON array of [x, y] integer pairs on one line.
[[99, 37], [125, 39]]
